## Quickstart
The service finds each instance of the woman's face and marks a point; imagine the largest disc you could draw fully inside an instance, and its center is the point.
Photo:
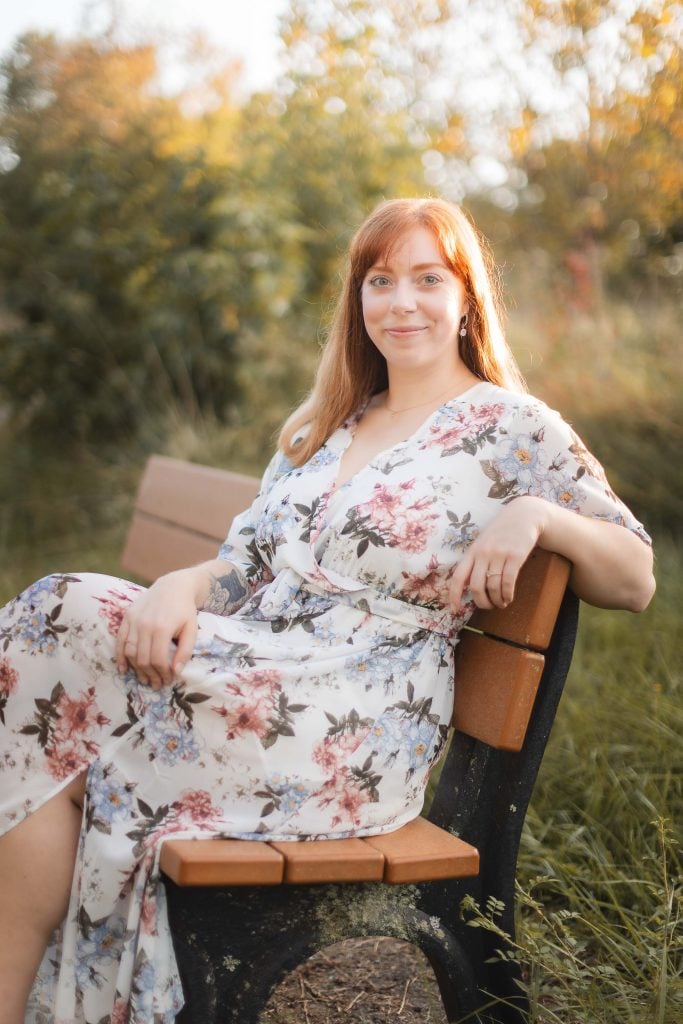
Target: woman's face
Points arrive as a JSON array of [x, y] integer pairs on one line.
[[413, 305]]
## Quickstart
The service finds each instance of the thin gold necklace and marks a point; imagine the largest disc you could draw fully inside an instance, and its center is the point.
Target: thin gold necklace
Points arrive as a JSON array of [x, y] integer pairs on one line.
[[409, 408]]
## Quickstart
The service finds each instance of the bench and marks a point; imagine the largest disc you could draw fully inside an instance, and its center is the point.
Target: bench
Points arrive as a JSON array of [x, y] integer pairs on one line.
[[245, 913]]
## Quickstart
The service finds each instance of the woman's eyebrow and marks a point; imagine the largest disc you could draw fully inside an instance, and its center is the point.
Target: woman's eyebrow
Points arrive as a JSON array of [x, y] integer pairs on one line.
[[415, 266]]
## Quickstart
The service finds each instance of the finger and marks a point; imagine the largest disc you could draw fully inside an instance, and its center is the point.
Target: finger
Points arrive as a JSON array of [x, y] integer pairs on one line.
[[507, 587], [129, 650], [513, 566], [160, 656], [459, 582], [494, 583], [142, 662], [119, 651], [478, 587], [186, 641]]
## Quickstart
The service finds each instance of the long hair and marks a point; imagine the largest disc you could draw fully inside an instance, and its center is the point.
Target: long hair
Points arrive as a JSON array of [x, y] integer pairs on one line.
[[351, 368]]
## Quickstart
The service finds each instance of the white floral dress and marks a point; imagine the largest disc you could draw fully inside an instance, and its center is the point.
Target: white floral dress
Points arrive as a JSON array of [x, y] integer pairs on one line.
[[318, 709]]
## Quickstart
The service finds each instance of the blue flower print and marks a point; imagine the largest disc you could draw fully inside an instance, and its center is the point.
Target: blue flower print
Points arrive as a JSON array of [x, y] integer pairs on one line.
[[275, 525], [460, 533], [518, 458], [109, 800], [142, 1002], [323, 457], [34, 633], [99, 945], [404, 740], [291, 792], [560, 490], [383, 666], [171, 741]]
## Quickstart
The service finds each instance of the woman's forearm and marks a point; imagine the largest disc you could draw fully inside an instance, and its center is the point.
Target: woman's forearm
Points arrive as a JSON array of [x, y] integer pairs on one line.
[[611, 567], [219, 586]]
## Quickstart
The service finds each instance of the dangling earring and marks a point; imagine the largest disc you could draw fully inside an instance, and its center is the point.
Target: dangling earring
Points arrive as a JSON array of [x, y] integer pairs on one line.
[[463, 326]]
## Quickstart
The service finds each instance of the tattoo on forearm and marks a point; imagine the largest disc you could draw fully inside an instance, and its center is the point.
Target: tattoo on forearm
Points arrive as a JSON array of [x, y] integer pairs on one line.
[[226, 593]]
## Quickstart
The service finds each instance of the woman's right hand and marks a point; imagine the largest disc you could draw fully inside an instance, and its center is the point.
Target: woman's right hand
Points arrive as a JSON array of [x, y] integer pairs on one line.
[[165, 613]]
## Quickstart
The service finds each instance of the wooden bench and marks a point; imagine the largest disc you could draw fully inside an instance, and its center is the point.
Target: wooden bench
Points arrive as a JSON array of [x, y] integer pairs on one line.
[[245, 913]]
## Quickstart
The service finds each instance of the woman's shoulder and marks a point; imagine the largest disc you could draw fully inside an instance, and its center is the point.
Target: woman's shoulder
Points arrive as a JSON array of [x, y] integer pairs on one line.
[[508, 404]]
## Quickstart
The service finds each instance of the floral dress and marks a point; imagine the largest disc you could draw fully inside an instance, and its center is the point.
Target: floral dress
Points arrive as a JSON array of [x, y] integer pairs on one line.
[[316, 710]]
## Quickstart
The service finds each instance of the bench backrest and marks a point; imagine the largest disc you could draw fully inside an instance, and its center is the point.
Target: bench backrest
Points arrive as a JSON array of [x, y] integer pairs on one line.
[[182, 513]]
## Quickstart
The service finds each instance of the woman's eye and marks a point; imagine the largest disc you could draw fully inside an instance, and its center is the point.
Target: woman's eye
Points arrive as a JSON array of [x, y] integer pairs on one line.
[[379, 281], [431, 279]]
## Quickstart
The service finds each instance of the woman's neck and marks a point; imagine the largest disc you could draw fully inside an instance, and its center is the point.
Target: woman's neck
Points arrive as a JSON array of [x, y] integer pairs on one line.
[[408, 391]]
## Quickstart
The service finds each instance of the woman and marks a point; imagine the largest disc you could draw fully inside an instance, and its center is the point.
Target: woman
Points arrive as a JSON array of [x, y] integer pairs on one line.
[[300, 685]]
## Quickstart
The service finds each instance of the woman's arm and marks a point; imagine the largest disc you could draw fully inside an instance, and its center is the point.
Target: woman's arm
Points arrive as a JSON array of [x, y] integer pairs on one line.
[[167, 612], [612, 568]]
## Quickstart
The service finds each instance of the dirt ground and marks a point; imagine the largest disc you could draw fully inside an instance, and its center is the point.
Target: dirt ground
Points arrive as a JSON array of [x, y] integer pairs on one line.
[[363, 981]]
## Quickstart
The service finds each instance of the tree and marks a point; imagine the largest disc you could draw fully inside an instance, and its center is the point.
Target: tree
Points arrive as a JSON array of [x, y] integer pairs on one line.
[[117, 282], [615, 181]]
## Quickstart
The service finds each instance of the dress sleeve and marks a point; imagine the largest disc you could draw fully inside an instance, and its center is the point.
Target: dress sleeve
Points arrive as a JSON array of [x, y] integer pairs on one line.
[[239, 547], [549, 460]]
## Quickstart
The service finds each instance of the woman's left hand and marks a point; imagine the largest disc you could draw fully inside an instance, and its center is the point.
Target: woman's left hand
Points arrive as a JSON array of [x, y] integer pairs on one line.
[[490, 566]]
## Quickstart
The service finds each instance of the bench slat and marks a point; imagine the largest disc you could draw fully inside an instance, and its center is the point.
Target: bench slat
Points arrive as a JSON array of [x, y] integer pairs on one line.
[[422, 852], [221, 862], [330, 860], [530, 618], [200, 498], [155, 547], [495, 689]]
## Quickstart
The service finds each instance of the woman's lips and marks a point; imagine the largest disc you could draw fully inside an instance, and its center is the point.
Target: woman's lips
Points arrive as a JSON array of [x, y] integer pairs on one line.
[[403, 332]]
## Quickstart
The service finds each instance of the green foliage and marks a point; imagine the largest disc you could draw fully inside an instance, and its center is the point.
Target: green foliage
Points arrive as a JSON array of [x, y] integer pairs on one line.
[[115, 251]]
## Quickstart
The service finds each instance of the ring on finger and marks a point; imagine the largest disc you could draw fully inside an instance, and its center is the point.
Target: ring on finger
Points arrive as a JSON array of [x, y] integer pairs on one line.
[[490, 574]]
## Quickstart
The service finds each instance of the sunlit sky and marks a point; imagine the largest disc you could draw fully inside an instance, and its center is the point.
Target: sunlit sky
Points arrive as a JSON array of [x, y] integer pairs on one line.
[[244, 28]]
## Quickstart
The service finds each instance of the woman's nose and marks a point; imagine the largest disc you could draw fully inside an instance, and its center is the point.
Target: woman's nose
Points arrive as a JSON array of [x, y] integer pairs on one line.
[[403, 297]]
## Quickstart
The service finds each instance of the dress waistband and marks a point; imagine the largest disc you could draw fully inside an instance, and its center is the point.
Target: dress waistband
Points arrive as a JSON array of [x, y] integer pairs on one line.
[[285, 590]]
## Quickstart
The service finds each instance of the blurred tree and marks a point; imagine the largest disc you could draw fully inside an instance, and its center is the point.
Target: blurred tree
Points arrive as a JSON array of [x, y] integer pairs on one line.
[[342, 129], [607, 194], [117, 282]]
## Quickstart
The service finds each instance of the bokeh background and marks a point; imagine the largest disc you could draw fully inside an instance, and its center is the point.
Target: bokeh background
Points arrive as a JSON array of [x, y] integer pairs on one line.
[[173, 217]]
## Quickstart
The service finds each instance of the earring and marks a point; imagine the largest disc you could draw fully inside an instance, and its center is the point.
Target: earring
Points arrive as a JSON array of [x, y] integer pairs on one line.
[[463, 326]]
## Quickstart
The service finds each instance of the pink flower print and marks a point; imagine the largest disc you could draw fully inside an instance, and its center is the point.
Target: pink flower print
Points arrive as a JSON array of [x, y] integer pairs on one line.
[[427, 588], [9, 677], [446, 438], [69, 758], [413, 536], [333, 752], [386, 504], [119, 1013], [349, 802], [148, 916], [266, 681], [112, 609], [251, 715], [77, 716], [197, 805]]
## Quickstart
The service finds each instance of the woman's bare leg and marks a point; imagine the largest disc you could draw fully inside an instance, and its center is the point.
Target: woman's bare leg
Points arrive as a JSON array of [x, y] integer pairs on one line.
[[36, 869]]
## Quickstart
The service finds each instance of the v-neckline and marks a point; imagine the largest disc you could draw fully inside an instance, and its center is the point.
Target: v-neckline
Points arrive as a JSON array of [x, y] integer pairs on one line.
[[349, 428]]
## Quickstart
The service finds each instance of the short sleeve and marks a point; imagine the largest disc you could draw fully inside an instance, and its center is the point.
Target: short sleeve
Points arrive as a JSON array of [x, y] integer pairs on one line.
[[239, 547], [540, 454]]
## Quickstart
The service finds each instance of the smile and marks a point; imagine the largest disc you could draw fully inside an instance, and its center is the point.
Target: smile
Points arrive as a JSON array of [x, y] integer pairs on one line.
[[403, 332]]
